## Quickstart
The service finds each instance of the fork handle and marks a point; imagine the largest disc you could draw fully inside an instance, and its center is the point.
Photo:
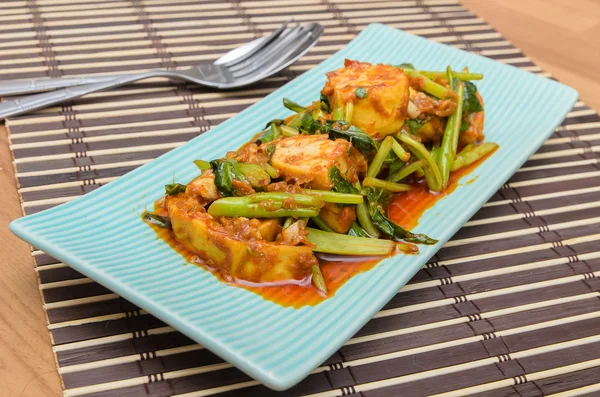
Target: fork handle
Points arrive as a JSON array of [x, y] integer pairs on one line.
[[24, 104], [21, 87]]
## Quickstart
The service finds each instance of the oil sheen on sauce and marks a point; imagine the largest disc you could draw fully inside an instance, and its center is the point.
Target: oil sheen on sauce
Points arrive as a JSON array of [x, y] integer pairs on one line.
[[405, 209]]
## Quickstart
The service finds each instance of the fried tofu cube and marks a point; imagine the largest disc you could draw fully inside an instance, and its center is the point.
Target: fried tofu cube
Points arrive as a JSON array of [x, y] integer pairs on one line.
[[252, 260], [308, 159], [339, 219], [203, 188], [381, 105]]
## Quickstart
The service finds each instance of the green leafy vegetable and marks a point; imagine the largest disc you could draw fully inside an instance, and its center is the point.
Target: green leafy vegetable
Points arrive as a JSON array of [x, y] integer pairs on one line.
[[156, 220], [325, 106], [293, 106], [471, 102], [271, 132], [270, 149], [394, 168], [464, 125], [376, 201], [356, 230], [322, 225], [274, 121], [414, 125], [254, 173], [306, 124], [340, 184], [174, 189], [340, 129], [225, 173], [361, 93], [202, 165]]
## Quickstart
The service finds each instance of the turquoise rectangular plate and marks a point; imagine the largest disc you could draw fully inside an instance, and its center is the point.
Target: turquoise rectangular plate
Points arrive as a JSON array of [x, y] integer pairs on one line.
[[101, 234]]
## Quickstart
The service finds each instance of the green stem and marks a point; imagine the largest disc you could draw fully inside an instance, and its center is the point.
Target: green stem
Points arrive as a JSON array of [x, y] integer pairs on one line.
[[300, 199], [273, 173], [288, 131], [156, 220], [432, 172], [364, 218], [335, 197], [318, 279], [342, 244], [296, 120], [400, 152], [293, 106], [450, 139], [356, 230], [430, 86], [458, 115], [322, 225], [288, 222], [202, 165], [238, 206], [469, 156], [380, 157], [406, 171], [387, 185], [338, 113], [464, 76]]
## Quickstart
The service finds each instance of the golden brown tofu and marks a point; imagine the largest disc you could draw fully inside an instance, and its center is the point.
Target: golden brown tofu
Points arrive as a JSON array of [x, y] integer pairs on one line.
[[269, 228], [338, 218], [253, 260], [308, 159], [383, 110], [203, 188]]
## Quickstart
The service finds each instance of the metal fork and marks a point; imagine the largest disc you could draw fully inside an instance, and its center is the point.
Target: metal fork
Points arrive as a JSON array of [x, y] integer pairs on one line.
[[242, 66]]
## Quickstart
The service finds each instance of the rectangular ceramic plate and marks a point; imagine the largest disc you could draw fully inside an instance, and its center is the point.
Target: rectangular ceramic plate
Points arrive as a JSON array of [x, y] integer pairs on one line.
[[101, 234]]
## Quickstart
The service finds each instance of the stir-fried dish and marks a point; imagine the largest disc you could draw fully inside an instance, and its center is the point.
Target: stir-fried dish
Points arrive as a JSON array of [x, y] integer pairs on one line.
[[320, 181]]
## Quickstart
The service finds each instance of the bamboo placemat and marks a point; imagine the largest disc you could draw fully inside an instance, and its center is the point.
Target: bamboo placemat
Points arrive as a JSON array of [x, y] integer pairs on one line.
[[509, 307]]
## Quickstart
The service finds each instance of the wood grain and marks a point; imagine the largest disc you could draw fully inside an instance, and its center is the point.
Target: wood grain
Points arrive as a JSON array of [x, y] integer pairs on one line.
[[27, 365], [562, 37]]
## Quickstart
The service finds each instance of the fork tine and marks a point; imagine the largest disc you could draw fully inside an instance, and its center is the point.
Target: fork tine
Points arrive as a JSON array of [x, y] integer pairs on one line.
[[268, 52], [247, 76], [273, 36], [275, 57]]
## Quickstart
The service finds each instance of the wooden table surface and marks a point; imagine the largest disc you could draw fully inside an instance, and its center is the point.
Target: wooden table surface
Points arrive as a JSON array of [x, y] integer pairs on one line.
[[559, 35]]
